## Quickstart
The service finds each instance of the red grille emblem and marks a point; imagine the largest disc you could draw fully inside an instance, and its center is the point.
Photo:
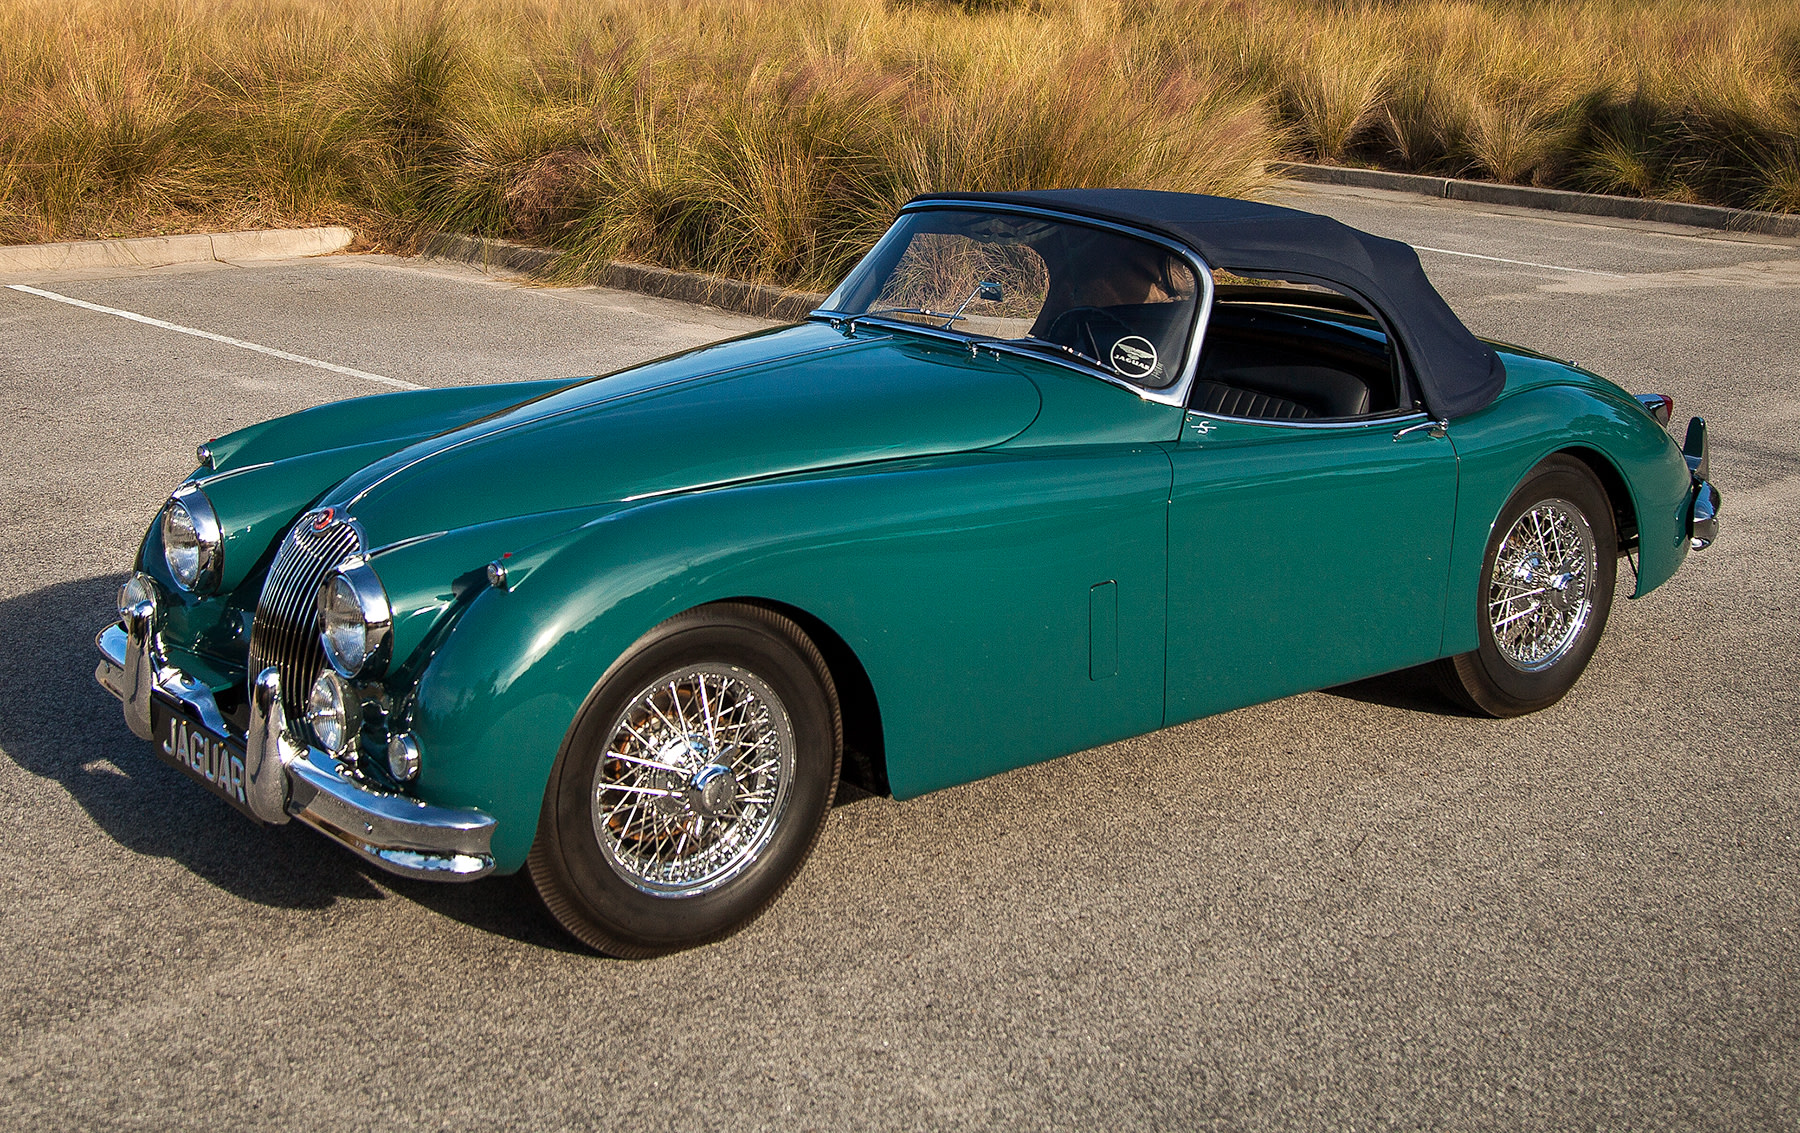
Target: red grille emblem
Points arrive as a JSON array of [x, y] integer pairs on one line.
[[322, 520]]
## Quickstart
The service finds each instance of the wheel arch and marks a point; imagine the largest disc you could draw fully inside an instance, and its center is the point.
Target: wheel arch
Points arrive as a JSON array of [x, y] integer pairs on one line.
[[1637, 464], [865, 753], [1618, 492]]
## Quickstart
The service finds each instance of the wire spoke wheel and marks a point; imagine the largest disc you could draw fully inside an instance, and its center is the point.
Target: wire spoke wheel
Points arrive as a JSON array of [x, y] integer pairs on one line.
[[694, 780], [1543, 595], [1538, 594]]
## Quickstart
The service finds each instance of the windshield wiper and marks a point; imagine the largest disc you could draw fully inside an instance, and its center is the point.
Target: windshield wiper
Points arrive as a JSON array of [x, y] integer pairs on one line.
[[1042, 347], [926, 311]]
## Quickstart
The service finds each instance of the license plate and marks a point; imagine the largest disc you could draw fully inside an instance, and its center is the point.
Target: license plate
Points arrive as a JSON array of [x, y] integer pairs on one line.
[[209, 757]]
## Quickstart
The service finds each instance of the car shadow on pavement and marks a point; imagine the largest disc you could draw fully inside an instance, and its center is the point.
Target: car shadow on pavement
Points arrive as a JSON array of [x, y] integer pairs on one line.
[[501, 906], [59, 725], [1410, 689]]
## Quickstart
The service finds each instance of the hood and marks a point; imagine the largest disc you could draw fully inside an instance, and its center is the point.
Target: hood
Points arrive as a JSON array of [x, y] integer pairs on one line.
[[796, 399]]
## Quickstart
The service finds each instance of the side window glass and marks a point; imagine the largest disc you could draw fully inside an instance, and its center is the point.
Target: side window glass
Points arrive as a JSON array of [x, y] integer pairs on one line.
[[1282, 351]]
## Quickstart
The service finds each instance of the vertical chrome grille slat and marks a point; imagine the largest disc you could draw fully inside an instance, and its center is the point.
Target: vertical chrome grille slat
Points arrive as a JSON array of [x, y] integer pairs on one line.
[[285, 633]]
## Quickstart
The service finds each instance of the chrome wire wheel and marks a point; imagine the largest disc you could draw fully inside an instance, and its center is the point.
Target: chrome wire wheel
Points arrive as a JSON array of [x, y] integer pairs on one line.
[[693, 780], [1539, 596]]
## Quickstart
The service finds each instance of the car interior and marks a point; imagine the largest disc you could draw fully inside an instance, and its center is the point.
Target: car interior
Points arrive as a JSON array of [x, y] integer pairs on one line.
[[1292, 353]]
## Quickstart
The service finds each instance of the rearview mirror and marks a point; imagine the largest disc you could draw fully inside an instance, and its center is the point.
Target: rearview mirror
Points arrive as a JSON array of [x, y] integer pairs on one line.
[[989, 291]]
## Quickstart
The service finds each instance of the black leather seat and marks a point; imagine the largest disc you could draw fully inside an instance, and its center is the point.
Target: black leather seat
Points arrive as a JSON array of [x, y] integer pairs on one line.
[[1280, 393], [1227, 401]]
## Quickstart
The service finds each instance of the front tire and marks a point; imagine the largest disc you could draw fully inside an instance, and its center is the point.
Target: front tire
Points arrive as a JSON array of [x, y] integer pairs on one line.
[[692, 784], [1547, 588]]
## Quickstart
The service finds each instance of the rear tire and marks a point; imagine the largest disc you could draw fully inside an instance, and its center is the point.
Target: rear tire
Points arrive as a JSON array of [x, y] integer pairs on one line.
[[692, 784], [1547, 587]]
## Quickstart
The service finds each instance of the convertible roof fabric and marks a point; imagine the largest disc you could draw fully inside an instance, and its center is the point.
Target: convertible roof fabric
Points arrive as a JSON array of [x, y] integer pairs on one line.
[[1457, 372]]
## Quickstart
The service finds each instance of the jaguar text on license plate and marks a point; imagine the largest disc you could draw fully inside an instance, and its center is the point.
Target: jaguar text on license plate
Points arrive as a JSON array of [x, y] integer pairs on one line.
[[213, 760]]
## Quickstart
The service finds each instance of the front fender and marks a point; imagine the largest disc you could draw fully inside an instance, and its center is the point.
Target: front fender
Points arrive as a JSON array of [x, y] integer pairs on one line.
[[964, 585], [1496, 447]]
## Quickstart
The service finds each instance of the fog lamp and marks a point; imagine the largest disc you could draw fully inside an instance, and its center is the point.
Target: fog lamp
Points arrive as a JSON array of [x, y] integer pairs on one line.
[[333, 712], [133, 592]]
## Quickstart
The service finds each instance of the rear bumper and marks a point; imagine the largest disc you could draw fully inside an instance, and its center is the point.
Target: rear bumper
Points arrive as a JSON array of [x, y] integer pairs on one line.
[[281, 778]]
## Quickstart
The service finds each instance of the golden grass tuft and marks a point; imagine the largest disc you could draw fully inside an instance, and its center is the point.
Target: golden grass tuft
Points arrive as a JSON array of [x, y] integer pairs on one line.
[[773, 140]]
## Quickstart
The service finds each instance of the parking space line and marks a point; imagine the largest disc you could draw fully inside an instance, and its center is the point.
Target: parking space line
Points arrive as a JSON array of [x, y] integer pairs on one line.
[[1521, 263], [210, 336]]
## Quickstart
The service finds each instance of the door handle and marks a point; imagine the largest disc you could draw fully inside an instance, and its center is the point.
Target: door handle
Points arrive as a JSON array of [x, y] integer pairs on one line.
[[1436, 428]]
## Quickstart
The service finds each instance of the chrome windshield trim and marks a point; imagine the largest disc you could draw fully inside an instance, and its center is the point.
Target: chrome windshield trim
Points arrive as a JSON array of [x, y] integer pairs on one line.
[[1386, 420], [1175, 393]]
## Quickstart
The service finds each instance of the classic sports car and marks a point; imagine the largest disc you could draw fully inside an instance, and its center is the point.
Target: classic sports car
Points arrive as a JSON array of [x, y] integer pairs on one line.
[[1047, 470]]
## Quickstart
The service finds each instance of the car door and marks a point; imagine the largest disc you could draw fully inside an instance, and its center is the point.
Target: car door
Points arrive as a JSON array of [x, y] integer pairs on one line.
[[1303, 556]]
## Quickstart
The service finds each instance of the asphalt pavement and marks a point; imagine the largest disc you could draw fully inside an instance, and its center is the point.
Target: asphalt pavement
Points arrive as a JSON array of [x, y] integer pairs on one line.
[[1354, 909]]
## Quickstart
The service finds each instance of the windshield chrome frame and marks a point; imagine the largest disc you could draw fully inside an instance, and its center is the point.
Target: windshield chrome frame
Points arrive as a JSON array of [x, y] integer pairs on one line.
[[1175, 393]]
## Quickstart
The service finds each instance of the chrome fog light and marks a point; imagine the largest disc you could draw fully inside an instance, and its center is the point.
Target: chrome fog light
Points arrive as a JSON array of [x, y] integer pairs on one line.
[[354, 619], [403, 757], [333, 713], [134, 592], [193, 542]]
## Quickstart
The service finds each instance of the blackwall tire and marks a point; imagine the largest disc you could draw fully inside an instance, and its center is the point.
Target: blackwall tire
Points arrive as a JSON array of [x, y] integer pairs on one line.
[[692, 785], [1547, 585]]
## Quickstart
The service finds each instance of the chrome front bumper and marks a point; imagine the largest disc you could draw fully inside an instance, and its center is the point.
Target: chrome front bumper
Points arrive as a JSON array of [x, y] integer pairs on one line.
[[282, 778]]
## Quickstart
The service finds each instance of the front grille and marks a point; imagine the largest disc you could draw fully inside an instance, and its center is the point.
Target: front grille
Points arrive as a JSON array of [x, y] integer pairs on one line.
[[286, 631]]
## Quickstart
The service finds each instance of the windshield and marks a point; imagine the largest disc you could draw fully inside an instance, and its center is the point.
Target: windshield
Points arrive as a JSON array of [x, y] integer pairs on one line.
[[1106, 298]]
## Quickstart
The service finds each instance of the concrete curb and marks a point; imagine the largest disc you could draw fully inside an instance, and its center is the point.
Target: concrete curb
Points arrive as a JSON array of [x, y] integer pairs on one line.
[[1551, 200], [759, 299], [163, 251]]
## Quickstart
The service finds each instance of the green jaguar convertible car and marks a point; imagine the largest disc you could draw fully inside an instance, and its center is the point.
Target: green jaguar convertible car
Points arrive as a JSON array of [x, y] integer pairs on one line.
[[1047, 470]]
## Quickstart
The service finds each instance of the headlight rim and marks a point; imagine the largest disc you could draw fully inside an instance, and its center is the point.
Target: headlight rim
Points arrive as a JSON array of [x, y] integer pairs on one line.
[[209, 538], [376, 614]]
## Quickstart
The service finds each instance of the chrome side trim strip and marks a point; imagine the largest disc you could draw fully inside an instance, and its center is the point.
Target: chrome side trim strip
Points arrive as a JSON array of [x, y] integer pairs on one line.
[[395, 832], [1387, 419]]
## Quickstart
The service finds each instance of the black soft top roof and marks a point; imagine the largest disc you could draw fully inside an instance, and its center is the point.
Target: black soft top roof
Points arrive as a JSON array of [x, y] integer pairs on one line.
[[1457, 373]]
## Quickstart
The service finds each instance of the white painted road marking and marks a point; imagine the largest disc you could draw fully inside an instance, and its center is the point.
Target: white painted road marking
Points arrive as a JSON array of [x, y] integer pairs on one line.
[[210, 336], [1521, 263]]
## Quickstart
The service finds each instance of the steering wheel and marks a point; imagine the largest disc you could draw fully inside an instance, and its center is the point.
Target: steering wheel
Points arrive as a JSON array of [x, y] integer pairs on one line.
[[1091, 330]]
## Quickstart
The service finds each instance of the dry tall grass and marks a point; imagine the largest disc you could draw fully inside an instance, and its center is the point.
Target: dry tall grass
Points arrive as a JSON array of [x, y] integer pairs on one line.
[[771, 139]]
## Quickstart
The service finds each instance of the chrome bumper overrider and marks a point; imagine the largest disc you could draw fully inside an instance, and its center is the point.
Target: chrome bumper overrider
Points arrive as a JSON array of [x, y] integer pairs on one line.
[[1703, 504], [284, 778]]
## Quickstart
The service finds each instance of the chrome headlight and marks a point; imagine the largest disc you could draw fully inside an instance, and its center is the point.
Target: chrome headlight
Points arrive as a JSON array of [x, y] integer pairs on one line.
[[354, 619], [333, 713], [193, 542]]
